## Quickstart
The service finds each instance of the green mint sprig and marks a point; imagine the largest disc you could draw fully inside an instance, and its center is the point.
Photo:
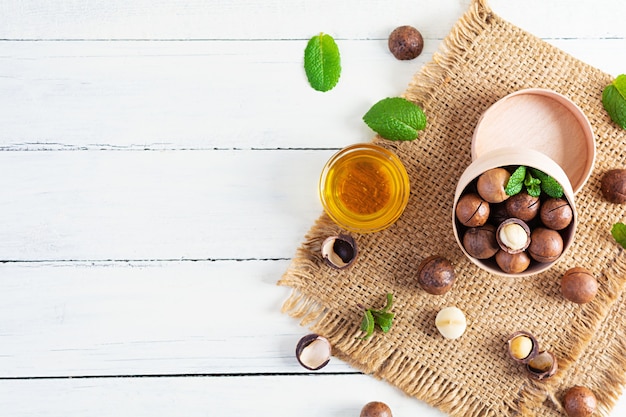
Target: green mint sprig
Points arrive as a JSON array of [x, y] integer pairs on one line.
[[322, 62], [396, 118], [382, 318], [535, 181], [548, 184], [614, 100], [533, 185], [516, 181], [619, 233]]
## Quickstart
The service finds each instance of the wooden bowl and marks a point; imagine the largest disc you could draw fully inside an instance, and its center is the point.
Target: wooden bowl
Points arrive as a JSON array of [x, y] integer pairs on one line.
[[545, 121], [511, 158]]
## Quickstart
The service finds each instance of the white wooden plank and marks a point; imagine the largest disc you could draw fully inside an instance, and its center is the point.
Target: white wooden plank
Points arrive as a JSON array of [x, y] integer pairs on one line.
[[565, 19], [271, 396], [201, 95], [152, 318], [92, 205], [225, 19], [205, 95], [221, 19]]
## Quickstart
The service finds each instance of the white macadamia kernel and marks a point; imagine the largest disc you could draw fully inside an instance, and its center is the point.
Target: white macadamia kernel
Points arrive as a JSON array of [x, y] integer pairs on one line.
[[451, 322], [521, 346], [513, 236]]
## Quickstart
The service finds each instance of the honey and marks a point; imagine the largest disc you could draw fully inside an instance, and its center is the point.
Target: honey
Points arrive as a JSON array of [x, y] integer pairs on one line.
[[364, 188]]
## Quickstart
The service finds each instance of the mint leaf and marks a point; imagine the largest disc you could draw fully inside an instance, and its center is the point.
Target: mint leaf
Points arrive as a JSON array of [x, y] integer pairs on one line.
[[322, 62], [619, 233], [548, 184], [614, 100], [389, 303], [516, 181], [532, 185], [395, 118], [367, 324], [381, 318], [384, 320]]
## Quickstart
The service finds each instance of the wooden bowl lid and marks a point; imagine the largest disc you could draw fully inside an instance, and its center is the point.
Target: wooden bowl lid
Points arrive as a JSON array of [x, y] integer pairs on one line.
[[541, 120]]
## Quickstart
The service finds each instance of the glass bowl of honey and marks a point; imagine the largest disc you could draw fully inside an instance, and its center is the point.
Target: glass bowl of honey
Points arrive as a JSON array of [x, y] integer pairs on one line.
[[364, 188]]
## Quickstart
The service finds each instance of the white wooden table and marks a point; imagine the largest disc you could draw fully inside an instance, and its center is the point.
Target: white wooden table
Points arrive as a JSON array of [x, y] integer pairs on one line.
[[159, 167]]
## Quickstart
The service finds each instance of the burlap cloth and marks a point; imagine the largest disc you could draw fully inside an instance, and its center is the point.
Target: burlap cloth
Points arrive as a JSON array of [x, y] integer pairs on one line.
[[481, 60]]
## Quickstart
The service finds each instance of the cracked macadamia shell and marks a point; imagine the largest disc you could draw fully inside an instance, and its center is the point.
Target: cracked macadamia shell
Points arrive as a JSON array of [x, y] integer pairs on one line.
[[522, 346], [556, 213], [339, 251], [542, 366], [313, 351], [472, 211], [513, 235]]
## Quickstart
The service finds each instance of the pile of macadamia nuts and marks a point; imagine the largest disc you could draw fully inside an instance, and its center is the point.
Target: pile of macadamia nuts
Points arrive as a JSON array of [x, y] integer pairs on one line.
[[514, 231]]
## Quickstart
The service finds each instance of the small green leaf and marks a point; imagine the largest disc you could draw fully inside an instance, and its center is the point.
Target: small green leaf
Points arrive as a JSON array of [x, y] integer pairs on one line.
[[367, 324], [389, 302], [548, 184], [534, 190], [614, 100], [322, 62], [395, 118], [619, 233], [532, 184], [384, 320], [381, 318], [516, 181]]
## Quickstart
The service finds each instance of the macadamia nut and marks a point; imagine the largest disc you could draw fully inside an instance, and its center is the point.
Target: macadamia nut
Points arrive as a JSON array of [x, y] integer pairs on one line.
[[491, 185], [580, 401], [451, 322], [471, 210], [405, 43], [521, 346], [579, 285], [613, 186], [375, 409], [513, 236], [435, 275]]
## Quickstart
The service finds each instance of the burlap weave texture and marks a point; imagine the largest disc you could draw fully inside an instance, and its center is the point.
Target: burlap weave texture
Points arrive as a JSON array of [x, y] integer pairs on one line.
[[483, 59]]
